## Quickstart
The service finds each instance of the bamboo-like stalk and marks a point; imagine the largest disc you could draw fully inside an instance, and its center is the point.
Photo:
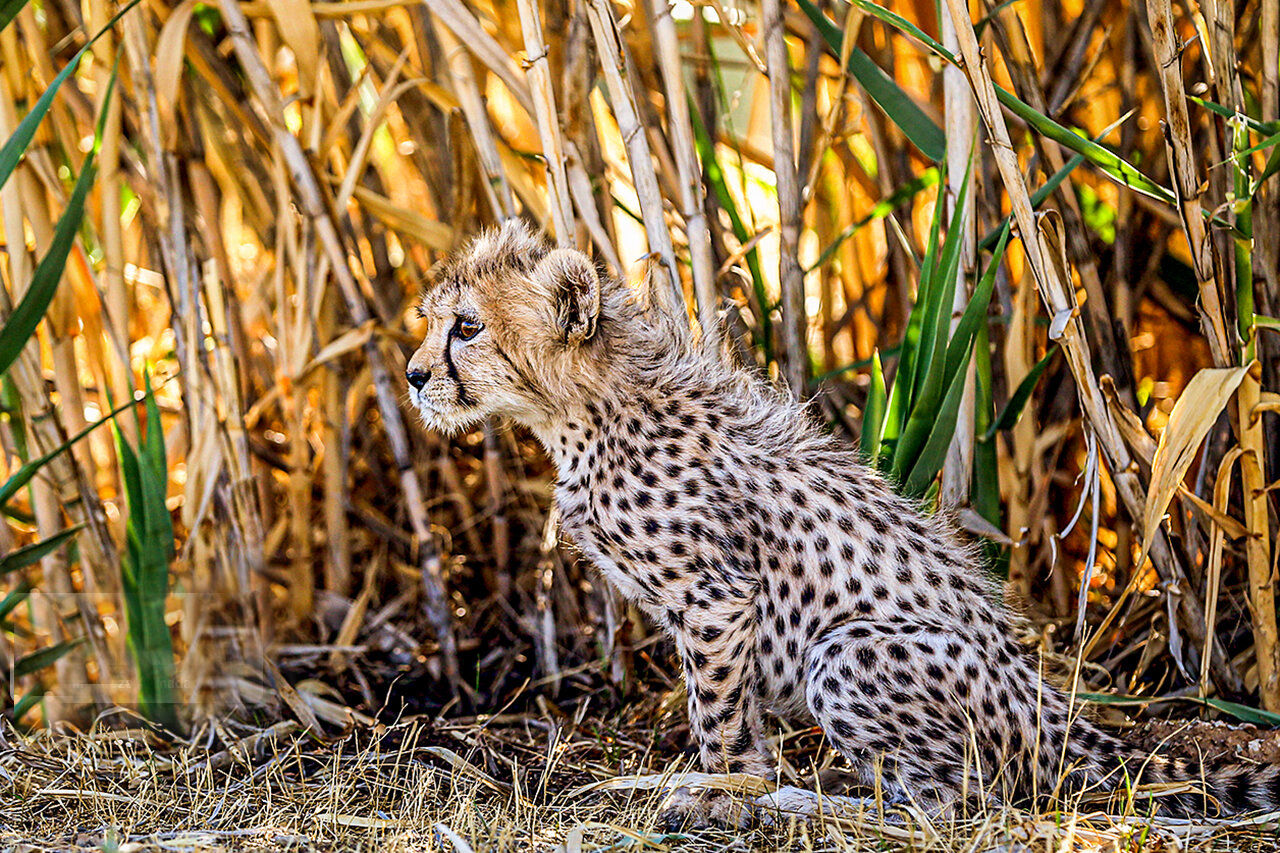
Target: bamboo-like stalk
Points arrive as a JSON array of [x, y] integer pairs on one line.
[[496, 186], [794, 325], [1182, 165], [116, 301], [312, 203], [609, 43], [335, 434], [1262, 582], [463, 24], [961, 127], [1108, 352], [690, 176], [1049, 272], [548, 119]]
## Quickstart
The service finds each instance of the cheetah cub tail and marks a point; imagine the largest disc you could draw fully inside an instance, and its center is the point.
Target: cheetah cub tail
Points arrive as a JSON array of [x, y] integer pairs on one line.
[[1227, 786], [1234, 786]]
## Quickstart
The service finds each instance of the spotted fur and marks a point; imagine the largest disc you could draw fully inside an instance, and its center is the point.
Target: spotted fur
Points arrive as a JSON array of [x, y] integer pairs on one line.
[[791, 578]]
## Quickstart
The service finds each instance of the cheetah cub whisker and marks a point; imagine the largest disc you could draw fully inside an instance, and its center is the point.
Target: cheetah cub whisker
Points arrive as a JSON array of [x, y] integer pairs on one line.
[[791, 578]]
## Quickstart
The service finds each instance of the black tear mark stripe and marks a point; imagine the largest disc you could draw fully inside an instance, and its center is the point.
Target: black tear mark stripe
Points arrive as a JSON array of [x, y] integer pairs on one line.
[[464, 399], [514, 367]]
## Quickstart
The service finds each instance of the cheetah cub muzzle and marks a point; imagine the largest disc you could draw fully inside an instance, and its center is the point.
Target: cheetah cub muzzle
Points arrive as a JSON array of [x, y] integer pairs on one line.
[[789, 575]]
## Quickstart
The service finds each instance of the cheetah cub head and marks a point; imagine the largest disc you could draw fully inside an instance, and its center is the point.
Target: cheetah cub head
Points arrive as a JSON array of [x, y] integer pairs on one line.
[[513, 329]]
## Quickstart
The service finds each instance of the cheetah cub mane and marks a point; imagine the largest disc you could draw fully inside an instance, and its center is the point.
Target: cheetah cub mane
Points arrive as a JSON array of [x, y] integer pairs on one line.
[[790, 577]]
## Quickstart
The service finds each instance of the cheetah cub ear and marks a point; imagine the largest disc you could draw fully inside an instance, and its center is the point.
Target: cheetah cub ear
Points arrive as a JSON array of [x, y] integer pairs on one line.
[[575, 291]]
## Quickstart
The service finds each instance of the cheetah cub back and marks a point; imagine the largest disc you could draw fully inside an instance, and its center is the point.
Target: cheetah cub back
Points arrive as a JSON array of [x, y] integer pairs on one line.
[[791, 578]]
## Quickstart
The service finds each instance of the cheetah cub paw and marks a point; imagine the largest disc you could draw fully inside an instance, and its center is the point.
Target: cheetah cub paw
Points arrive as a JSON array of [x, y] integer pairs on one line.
[[686, 810]]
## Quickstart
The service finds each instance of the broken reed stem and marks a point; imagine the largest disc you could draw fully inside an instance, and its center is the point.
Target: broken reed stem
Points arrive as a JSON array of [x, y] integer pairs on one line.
[[1050, 275], [612, 51], [692, 201], [313, 205], [791, 276], [548, 120], [1186, 184]]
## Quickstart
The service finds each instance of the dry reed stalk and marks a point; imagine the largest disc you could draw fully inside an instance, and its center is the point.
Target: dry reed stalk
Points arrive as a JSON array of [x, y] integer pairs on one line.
[[463, 24], [1213, 579], [312, 203], [1108, 352], [612, 50], [295, 339], [548, 119], [111, 276], [544, 631], [794, 327], [335, 436], [961, 130], [1186, 183], [584, 202], [1015, 475], [1262, 582], [1052, 282], [692, 202], [467, 90], [1267, 200], [500, 544]]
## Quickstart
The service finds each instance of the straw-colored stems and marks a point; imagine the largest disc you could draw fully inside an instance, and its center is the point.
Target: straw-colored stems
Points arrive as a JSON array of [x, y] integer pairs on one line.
[[496, 479], [463, 24], [548, 119], [614, 63], [312, 203], [791, 277], [334, 431], [1108, 352], [692, 202], [584, 201], [1262, 583], [116, 295], [544, 633], [1186, 184], [1267, 199], [467, 90], [1048, 265], [961, 126]]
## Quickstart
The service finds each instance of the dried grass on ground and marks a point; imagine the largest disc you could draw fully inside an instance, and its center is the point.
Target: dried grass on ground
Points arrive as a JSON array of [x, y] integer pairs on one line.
[[504, 783]]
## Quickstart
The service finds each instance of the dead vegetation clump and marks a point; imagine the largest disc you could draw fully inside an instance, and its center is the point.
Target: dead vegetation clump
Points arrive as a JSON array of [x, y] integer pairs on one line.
[[513, 782]]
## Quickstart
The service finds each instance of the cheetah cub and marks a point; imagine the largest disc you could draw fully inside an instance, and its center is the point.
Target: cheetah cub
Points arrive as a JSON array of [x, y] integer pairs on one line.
[[789, 575]]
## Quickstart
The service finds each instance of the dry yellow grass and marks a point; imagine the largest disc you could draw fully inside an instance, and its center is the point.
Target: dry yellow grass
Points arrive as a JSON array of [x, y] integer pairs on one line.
[[509, 783]]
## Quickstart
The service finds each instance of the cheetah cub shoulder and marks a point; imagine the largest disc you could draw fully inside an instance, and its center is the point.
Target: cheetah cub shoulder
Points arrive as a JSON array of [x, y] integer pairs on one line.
[[791, 578]]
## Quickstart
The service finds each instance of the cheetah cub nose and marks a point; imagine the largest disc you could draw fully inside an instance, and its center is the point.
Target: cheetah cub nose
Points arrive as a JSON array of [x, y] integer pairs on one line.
[[417, 378]]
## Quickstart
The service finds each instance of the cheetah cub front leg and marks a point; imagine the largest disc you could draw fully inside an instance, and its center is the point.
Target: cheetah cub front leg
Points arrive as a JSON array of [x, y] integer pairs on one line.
[[715, 636]]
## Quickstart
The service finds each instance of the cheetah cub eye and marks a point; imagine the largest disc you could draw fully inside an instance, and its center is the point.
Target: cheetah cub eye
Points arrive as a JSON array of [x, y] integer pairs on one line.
[[468, 328]]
